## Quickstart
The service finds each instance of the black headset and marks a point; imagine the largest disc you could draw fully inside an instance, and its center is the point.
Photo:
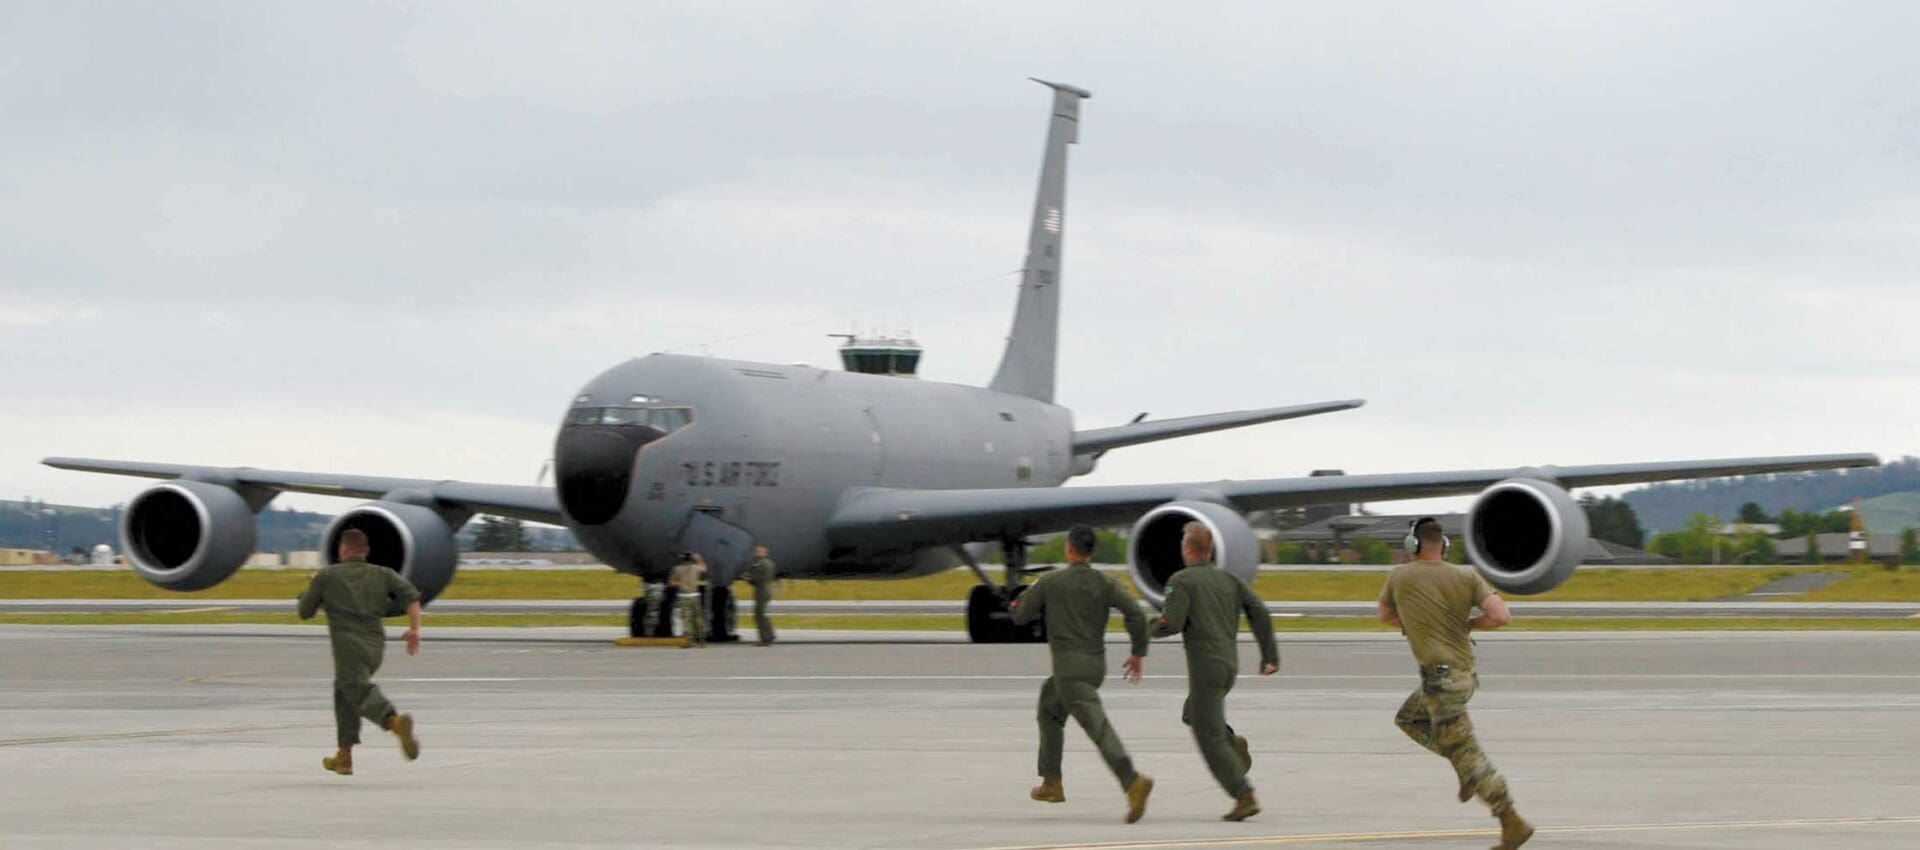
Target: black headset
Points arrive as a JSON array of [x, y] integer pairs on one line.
[[1412, 542]]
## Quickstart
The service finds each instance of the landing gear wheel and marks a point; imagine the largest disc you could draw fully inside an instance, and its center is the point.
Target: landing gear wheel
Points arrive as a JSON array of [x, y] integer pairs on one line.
[[990, 621], [723, 615]]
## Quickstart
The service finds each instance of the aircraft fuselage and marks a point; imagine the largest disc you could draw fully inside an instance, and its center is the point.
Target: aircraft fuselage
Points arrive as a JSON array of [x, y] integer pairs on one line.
[[656, 450]]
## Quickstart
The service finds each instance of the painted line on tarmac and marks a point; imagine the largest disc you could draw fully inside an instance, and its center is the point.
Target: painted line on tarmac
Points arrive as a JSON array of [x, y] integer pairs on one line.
[[161, 733], [1348, 837], [1034, 677]]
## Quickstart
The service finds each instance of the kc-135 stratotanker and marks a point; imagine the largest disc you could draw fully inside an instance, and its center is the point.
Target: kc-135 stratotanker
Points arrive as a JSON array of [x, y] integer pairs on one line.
[[851, 475]]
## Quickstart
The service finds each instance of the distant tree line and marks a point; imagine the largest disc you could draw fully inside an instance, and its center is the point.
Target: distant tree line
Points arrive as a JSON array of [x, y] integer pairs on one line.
[[1669, 506]]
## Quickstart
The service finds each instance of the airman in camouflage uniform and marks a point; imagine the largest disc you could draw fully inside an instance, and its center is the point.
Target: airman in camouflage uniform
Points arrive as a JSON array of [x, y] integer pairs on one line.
[[1204, 605], [690, 578], [1077, 603], [356, 595], [1433, 601]]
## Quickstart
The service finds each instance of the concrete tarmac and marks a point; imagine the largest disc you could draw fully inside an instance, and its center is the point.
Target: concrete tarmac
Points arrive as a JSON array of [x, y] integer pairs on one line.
[[211, 737]]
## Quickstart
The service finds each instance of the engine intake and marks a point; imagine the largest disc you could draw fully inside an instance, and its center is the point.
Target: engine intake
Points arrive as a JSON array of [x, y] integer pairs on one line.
[[408, 539], [1526, 536], [187, 535], [1153, 550]]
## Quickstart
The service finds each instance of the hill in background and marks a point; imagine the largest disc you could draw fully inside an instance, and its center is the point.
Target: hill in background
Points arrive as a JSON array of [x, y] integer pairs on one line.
[[1665, 507]]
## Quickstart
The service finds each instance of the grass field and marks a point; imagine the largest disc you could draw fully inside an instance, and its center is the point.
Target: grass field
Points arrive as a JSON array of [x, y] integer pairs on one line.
[[1589, 585], [616, 626], [1871, 584]]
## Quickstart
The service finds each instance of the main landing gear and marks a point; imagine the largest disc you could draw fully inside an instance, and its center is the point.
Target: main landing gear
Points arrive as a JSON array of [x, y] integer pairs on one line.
[[652, 615], [989, 611]]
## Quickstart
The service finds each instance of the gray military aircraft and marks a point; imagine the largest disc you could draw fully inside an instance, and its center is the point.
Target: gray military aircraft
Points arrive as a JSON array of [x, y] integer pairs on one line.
[[855, 475]]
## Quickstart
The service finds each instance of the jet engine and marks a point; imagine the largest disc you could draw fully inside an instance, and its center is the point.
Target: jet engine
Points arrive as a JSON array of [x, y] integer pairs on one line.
[[411, 540], [1153, 550], [187, 535], [1525, 535]]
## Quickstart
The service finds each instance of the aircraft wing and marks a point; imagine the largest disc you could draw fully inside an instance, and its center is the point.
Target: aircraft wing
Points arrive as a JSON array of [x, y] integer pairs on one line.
[[534, 504], [1102, 439], [928, 517]]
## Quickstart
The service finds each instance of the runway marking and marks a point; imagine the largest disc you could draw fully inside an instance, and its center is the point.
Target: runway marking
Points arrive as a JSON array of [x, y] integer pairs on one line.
[[1034, 677], [212, 610], [1346, 837], [161, 733]]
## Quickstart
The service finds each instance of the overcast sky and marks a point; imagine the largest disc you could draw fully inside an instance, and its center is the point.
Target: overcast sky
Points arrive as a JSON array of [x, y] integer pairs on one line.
[[395, 238]]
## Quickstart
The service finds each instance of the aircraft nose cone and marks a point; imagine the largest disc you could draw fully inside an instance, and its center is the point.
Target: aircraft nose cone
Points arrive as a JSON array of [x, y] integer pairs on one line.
[[593, 466]]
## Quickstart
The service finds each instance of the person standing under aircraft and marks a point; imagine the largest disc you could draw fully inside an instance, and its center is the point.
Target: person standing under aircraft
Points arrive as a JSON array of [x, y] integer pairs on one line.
[[1432, 602], [1076, 603], [689, 577], [1204, 604], [355, 596], [761, 575]]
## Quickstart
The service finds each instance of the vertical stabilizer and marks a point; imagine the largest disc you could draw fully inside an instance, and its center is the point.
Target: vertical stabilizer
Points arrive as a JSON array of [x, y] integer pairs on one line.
[[1027, 368]]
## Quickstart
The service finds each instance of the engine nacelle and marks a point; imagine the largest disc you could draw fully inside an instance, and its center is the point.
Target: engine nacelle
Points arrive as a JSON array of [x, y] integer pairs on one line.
[[1153, 551], [187, 535], [1526, 536], [409, 539]]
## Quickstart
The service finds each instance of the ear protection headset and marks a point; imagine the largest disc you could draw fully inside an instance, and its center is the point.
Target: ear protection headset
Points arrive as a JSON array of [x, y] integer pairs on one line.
[[1412, 541]]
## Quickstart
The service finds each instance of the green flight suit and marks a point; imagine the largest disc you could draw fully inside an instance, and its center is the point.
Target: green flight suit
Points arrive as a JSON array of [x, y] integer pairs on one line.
[[355, 594], [1204, 604], [1077, 602], [762, 574]]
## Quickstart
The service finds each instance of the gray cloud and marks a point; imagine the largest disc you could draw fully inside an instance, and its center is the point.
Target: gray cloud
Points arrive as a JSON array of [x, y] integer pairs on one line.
[[1641, 231]]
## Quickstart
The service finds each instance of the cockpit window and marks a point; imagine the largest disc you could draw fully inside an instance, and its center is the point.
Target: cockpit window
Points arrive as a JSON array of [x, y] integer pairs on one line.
[[666, 420], [669, 419]]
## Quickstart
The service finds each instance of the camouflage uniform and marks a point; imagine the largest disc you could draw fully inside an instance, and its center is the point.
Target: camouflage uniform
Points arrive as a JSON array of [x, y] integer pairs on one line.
[[356, 596], [762, 574], [1204, 605], [1435, 601], [691, 580], [1076, 603]]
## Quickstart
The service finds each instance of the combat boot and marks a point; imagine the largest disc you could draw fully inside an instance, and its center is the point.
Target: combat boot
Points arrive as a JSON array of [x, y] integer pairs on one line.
[[1245, 754], [340, 762], [401, 725], [1514, 831], [1137, 797], [1049, 790], [1244, 806]]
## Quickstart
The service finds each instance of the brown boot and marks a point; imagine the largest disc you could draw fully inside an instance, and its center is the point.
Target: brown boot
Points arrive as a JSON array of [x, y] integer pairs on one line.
[[1246, 755], [1049, 790], [1514, 831], [401, 725], [1466, 790], [1137, 797], [1244, 806], [340, 762]]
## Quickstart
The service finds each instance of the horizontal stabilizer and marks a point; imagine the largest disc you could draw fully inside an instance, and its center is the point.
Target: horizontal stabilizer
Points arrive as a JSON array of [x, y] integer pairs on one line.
[[1102, 439]]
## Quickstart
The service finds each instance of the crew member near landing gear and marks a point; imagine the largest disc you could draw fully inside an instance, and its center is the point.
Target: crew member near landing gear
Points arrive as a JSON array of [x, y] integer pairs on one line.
[[689, 577], [354, 594], [1076, 603], [1204, 604], [761, 575], [1432, 602]]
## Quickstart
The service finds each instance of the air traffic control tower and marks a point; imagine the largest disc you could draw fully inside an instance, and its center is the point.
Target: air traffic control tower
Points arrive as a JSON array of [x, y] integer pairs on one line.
[[896, 356]]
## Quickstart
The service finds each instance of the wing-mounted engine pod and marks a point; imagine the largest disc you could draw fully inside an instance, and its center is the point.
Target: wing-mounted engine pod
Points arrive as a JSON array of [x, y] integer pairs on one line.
[[187, 535], [1153, 550], [1526, 536], [408, 539]]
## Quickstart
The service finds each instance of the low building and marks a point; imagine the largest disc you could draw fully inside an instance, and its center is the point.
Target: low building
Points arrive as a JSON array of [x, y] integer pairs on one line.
[[26, 558], [1884, 548]]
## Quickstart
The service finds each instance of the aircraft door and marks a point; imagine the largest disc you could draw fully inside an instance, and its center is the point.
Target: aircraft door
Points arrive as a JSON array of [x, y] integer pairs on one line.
[[727, 548]]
